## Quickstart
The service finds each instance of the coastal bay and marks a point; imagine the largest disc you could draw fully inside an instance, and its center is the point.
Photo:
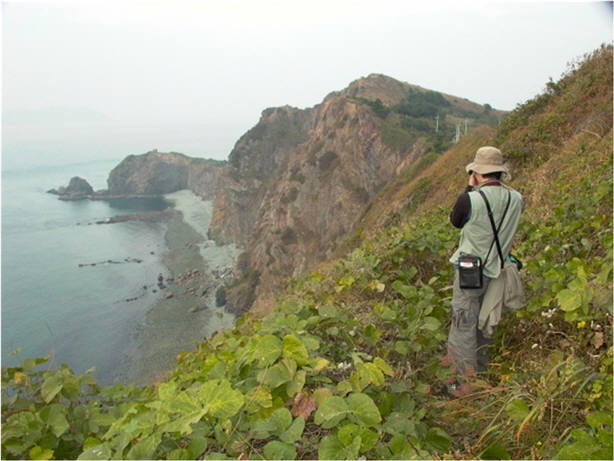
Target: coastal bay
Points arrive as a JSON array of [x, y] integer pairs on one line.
[[74, 291]]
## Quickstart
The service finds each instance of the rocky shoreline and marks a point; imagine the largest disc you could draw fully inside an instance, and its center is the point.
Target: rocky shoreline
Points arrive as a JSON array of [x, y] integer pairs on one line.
[[148, 216], [189, 309], [191, 293]]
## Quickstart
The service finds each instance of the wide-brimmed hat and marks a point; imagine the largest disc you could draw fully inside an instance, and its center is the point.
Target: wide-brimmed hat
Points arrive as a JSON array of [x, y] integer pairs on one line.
[[488, 159]]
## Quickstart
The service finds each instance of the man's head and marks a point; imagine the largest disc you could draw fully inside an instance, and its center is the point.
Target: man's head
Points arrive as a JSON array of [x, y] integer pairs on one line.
[[487, 162]]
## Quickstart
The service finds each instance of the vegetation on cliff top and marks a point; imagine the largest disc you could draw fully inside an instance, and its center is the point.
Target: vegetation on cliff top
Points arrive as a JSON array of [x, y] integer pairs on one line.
[[427, 114], [347, 364]]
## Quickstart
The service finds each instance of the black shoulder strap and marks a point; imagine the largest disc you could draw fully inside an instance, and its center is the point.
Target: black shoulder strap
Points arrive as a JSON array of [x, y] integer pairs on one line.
[[496, 229]]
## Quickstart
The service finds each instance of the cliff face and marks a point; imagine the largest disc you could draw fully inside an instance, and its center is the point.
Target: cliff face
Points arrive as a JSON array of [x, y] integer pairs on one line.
[[257, 160], [297, 184], [156, 173], [316, 199]]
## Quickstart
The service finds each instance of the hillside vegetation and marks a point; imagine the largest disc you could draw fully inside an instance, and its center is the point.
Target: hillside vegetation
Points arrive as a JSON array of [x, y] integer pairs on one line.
[[347, 365]]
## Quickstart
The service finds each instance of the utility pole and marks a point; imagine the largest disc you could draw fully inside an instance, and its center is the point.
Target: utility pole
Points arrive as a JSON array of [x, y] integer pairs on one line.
[[465, 126], [458, 125], [437, 124]]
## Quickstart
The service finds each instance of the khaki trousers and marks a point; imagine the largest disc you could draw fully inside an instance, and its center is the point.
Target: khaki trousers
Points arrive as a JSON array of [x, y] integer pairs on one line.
[[466, 344]]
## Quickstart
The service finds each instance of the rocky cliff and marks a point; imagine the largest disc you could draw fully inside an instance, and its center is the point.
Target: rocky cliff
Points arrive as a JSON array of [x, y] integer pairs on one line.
[[298, 182], [156, 173], [258, 159]]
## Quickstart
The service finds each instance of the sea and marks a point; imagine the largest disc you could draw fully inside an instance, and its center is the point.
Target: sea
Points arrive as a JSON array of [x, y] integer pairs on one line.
[[66, 280]]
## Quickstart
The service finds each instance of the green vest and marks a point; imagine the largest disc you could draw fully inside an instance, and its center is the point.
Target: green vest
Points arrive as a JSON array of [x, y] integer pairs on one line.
[[477, 236]]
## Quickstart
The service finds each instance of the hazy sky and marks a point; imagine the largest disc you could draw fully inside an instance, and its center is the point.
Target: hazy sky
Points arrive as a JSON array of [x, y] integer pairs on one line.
[[89, 79]]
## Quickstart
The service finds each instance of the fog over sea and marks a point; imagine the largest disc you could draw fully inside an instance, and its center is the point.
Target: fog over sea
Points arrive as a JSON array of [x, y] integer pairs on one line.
[[65, 279]]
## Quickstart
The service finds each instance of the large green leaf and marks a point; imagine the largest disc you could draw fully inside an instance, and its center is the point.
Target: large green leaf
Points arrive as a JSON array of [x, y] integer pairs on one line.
[[197, 447], [401, 448], [183, 423], [365, 374], [383, 366], [331, 411], [182, 402], [295, 431], [294, 349], [431, 323], [328, 311], [438, 439], [167, 390], [222, 401], [296, 385], [101, 451], [37, 452], [266, 349], [384, 312], [318, 363], [55, 417], [178, 454], [569, 300], [348, 433], [407, 291], [50, 388], [277, 422], [280, 373], [332, 448], [399, 423], [279, 450], [517, 409], [145, 448], [364, 408], [599, 418], [257, 398]]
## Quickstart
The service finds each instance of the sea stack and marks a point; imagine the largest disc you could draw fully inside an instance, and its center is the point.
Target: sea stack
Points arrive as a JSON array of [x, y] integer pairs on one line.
[[77, 189]]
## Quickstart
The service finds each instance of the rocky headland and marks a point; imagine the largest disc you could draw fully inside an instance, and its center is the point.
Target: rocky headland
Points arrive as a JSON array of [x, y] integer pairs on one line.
[[148, 175], [158, 173]]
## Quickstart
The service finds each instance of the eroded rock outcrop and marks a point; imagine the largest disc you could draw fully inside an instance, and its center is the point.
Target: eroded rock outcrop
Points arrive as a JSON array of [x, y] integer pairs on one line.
[[257, 161], [158, 173]]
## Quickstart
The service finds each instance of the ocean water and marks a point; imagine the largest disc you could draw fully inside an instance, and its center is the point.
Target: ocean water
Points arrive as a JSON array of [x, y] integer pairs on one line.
[[71, 289]]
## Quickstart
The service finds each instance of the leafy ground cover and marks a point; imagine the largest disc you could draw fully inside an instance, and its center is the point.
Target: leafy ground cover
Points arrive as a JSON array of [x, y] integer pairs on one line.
[[347, 365]]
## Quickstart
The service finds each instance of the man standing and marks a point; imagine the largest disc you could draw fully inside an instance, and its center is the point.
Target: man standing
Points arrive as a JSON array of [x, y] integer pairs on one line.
[[466, 343]]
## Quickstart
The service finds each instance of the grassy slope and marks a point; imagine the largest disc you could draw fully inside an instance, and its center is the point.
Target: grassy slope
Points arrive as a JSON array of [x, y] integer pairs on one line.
[[347, 363]]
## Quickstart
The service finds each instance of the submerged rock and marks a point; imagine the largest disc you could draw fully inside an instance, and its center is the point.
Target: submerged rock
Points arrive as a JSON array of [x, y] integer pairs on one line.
[[220, 297]]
